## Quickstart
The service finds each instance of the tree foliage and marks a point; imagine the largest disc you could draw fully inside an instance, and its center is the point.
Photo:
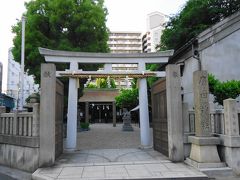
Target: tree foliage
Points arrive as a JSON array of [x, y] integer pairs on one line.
[[102, 83], [223, 90], [196, 16], [74, 25], [128, 98]]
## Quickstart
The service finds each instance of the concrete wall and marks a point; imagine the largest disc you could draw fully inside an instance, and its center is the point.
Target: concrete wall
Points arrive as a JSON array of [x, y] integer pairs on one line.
[[19, 157], [221, 59], [190, 66]]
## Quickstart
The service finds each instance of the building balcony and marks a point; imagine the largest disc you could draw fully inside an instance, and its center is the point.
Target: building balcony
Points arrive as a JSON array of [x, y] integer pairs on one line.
[[126, 48], [125, 42], [125, 37]]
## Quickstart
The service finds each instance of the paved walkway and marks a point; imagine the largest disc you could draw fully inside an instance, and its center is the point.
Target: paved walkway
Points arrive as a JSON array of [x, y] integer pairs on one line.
[[117, 164], [105, 136], [108, 153]]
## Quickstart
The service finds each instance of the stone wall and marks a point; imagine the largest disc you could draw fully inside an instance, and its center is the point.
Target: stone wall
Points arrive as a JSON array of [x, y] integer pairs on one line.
[[225, 125], [19, 139]]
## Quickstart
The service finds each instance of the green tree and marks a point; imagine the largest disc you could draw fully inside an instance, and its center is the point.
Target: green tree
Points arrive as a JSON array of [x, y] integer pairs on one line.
[[74, 25], [128, 98], [103, 83], [223, 90], [196, 16]]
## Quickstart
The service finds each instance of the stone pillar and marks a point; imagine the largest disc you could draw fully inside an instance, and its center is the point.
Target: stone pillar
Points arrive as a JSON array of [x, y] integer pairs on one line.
[[231, 138], [47, 115], [174, 113], [203, 150], [201, 102], [231, 117], [143, 108], [71, 141], [35, 125], [114, 113], [86, 112]]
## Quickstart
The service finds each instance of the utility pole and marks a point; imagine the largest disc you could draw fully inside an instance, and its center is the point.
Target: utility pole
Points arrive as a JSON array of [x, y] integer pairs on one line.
[[22, 62]]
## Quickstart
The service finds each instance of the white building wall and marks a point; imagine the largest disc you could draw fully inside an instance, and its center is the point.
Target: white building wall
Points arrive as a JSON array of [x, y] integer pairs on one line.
[[221, 59], [155, 25], [14, 80]]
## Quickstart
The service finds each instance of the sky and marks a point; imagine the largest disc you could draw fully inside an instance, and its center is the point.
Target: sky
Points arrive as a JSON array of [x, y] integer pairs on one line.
[[123, 15]]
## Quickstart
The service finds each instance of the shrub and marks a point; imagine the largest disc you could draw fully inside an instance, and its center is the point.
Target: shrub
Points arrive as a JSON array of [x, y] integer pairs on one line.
[[223, 90], [127, 98], [91, 85], [84, 125]]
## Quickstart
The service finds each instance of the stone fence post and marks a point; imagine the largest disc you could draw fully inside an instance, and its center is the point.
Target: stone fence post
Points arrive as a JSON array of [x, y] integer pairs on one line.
[[15, 124], [231, 139], [231, 117], [36, 120]]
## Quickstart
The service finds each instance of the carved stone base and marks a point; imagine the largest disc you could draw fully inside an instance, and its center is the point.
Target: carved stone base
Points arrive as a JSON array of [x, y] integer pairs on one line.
[[204, 165], [204, 152], [127, 127]]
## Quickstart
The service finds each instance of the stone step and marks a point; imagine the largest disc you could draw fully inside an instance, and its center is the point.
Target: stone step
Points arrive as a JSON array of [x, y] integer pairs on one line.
[[218, 172], [7, 173], [166, 178]]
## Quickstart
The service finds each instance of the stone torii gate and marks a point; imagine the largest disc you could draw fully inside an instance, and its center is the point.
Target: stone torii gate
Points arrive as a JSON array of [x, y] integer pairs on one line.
[[75, 58]]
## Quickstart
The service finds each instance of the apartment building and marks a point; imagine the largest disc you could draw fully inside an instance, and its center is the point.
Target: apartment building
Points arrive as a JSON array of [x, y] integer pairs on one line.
[[155, 25], [14, 80], [125, 42]]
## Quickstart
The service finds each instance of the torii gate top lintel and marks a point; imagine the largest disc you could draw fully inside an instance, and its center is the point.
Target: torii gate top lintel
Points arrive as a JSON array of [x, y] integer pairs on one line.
[[84, 57]]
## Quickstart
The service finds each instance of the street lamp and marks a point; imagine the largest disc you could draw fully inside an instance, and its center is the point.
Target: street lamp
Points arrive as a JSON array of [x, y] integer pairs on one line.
[[22, 62]]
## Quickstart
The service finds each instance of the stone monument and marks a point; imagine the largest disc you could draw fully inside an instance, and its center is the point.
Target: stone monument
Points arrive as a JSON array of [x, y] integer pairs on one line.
[[203, 149], [126, 120]]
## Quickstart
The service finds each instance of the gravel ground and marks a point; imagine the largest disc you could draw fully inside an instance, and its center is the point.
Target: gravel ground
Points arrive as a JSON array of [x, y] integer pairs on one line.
[[105, 136]]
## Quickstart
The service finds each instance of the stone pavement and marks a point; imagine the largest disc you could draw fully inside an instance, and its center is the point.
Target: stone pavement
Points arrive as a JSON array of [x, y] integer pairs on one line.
[[105, 136], [116, 164], [106, 152]]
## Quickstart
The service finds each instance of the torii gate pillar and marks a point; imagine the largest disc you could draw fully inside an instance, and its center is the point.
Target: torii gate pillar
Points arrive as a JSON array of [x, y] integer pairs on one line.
[[143, 109], [71, 141]]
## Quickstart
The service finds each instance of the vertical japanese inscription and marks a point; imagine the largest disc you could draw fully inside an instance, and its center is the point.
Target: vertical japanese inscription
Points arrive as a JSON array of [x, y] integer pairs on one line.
[[203, 127]]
